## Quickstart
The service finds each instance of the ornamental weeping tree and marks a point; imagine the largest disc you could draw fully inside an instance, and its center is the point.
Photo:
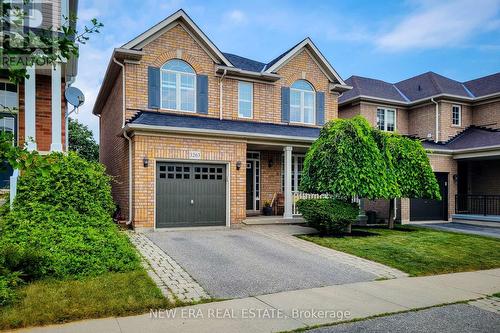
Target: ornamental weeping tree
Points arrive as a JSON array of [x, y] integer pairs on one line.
[[351, 159], [411, 169]]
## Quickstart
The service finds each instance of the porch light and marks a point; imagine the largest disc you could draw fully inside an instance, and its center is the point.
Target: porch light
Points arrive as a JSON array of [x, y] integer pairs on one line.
[[270, 163], [238, 165], [145, 162]]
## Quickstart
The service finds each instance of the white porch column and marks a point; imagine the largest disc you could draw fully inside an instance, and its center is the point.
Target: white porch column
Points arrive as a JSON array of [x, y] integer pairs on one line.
[[288, 183], [30, 109], [56, 144]]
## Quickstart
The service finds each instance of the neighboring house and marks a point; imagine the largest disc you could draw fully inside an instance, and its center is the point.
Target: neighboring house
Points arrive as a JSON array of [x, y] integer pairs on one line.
[[197, 137], [34, 110], [459, 123]]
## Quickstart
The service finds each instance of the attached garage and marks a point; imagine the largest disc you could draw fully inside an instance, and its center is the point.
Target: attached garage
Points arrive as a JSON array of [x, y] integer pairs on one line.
[[432, 210], [190, 195]]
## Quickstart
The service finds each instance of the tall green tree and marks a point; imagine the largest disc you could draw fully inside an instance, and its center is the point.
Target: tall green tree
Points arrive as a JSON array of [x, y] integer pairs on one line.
[[352, 159], [82, 141]]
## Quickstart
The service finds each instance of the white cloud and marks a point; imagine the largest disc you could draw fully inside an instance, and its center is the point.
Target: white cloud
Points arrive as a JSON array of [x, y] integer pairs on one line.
[[437, 24], [236, 16]]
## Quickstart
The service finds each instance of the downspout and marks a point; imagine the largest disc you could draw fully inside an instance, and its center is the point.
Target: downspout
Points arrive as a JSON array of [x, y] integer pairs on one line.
[[220, 93], [436, 138], [129, 221]]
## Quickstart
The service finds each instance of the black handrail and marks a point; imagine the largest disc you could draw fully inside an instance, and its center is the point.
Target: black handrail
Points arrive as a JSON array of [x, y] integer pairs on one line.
[[478, 204]]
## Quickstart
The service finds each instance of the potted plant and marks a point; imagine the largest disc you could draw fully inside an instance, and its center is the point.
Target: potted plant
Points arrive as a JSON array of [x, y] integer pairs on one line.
[[267, 210]]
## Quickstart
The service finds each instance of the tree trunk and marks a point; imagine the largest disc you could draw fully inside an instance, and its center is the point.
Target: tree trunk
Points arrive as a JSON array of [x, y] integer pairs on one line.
[[392, 217]]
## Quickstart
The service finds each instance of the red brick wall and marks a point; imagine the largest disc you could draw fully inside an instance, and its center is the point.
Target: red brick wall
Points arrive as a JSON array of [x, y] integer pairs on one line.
[[270, 182], [113, 148], [43, 113]]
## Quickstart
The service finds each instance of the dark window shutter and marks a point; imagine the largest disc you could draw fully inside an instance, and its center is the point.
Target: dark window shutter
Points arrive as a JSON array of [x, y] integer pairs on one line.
[[285, 104], [153, 88], [202, 94], [320, 108]]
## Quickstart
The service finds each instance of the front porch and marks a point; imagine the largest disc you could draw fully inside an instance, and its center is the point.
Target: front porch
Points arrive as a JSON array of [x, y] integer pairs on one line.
[[273, 174], [478, 190]]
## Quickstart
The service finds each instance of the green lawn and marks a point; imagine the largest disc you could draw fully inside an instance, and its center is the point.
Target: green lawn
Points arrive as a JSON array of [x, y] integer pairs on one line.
[[56, 301], [418, 251]]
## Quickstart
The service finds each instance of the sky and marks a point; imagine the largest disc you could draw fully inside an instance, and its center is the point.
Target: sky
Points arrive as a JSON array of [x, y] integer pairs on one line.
[[387, 40]]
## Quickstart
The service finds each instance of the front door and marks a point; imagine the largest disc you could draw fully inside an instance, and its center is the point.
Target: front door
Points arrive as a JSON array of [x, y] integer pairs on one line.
[[253, 181], [250, 185]]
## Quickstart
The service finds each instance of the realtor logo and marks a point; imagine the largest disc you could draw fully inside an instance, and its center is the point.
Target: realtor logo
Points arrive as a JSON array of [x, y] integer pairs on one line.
[[27, 28]]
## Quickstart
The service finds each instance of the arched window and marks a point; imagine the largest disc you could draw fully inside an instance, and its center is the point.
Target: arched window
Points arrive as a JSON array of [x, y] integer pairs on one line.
[[302, 102], [178, 86]]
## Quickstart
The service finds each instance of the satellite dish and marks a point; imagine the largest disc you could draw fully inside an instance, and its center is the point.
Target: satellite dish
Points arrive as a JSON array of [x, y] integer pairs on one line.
[[74, 96]]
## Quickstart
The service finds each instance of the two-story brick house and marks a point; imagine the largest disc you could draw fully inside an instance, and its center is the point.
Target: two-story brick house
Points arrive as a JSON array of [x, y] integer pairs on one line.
[[459, 124], [197, 137], [34, 110]]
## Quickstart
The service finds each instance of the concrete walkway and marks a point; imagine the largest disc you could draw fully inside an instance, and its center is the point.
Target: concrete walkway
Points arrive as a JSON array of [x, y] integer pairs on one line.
[[302, 308]]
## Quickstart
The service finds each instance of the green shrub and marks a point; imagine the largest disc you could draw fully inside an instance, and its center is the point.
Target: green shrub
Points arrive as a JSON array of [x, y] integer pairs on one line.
[[63, 212], [68, 181], [8, 283], [328, 216], [70, 244]]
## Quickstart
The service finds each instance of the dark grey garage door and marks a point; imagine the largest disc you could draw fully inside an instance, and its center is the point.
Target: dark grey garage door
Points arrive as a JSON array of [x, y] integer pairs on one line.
[[431, 210], [190, 194]]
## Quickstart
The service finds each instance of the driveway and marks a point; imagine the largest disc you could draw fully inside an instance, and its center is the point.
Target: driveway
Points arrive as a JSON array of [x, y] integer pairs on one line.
[[445, 319], [240, 263], [464, 228]]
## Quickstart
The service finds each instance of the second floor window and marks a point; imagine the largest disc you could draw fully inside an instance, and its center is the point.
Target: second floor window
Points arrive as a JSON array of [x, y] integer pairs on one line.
[[456, 115], [8, 96], [302, 102], [245, 99], [178, 86], [386, 119]]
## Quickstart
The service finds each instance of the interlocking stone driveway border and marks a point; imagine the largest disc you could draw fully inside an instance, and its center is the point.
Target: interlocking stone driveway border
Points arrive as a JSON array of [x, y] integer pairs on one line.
[[169, 276], [286, 235], [491, 304]]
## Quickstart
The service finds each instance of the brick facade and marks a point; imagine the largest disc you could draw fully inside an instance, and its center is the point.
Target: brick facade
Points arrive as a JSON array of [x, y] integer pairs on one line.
[[487, 114], [113, 148], [163, 148], [43, 114], [179, 43], [369, 111]]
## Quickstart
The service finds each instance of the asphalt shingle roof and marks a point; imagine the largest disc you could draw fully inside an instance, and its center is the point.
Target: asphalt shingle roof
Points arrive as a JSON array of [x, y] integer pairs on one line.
[[245, 63], [371, 87], [187, 121], [484, 85], [420, 87], [429, 84], [471, 137]]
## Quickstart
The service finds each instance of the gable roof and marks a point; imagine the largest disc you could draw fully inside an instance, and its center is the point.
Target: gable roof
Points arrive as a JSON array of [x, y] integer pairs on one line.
[[485, 85], [143, 39], [421, 87], [283, 58], [470, 138]]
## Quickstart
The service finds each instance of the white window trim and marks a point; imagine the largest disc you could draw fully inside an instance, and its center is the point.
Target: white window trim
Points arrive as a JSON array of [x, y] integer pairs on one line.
[[240, 99], [16, 110], [459, 115], [177, 90], [385, 118], [302, 110]]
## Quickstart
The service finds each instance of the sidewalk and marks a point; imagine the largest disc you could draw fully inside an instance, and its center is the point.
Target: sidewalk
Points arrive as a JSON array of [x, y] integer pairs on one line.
[[302, 308]]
